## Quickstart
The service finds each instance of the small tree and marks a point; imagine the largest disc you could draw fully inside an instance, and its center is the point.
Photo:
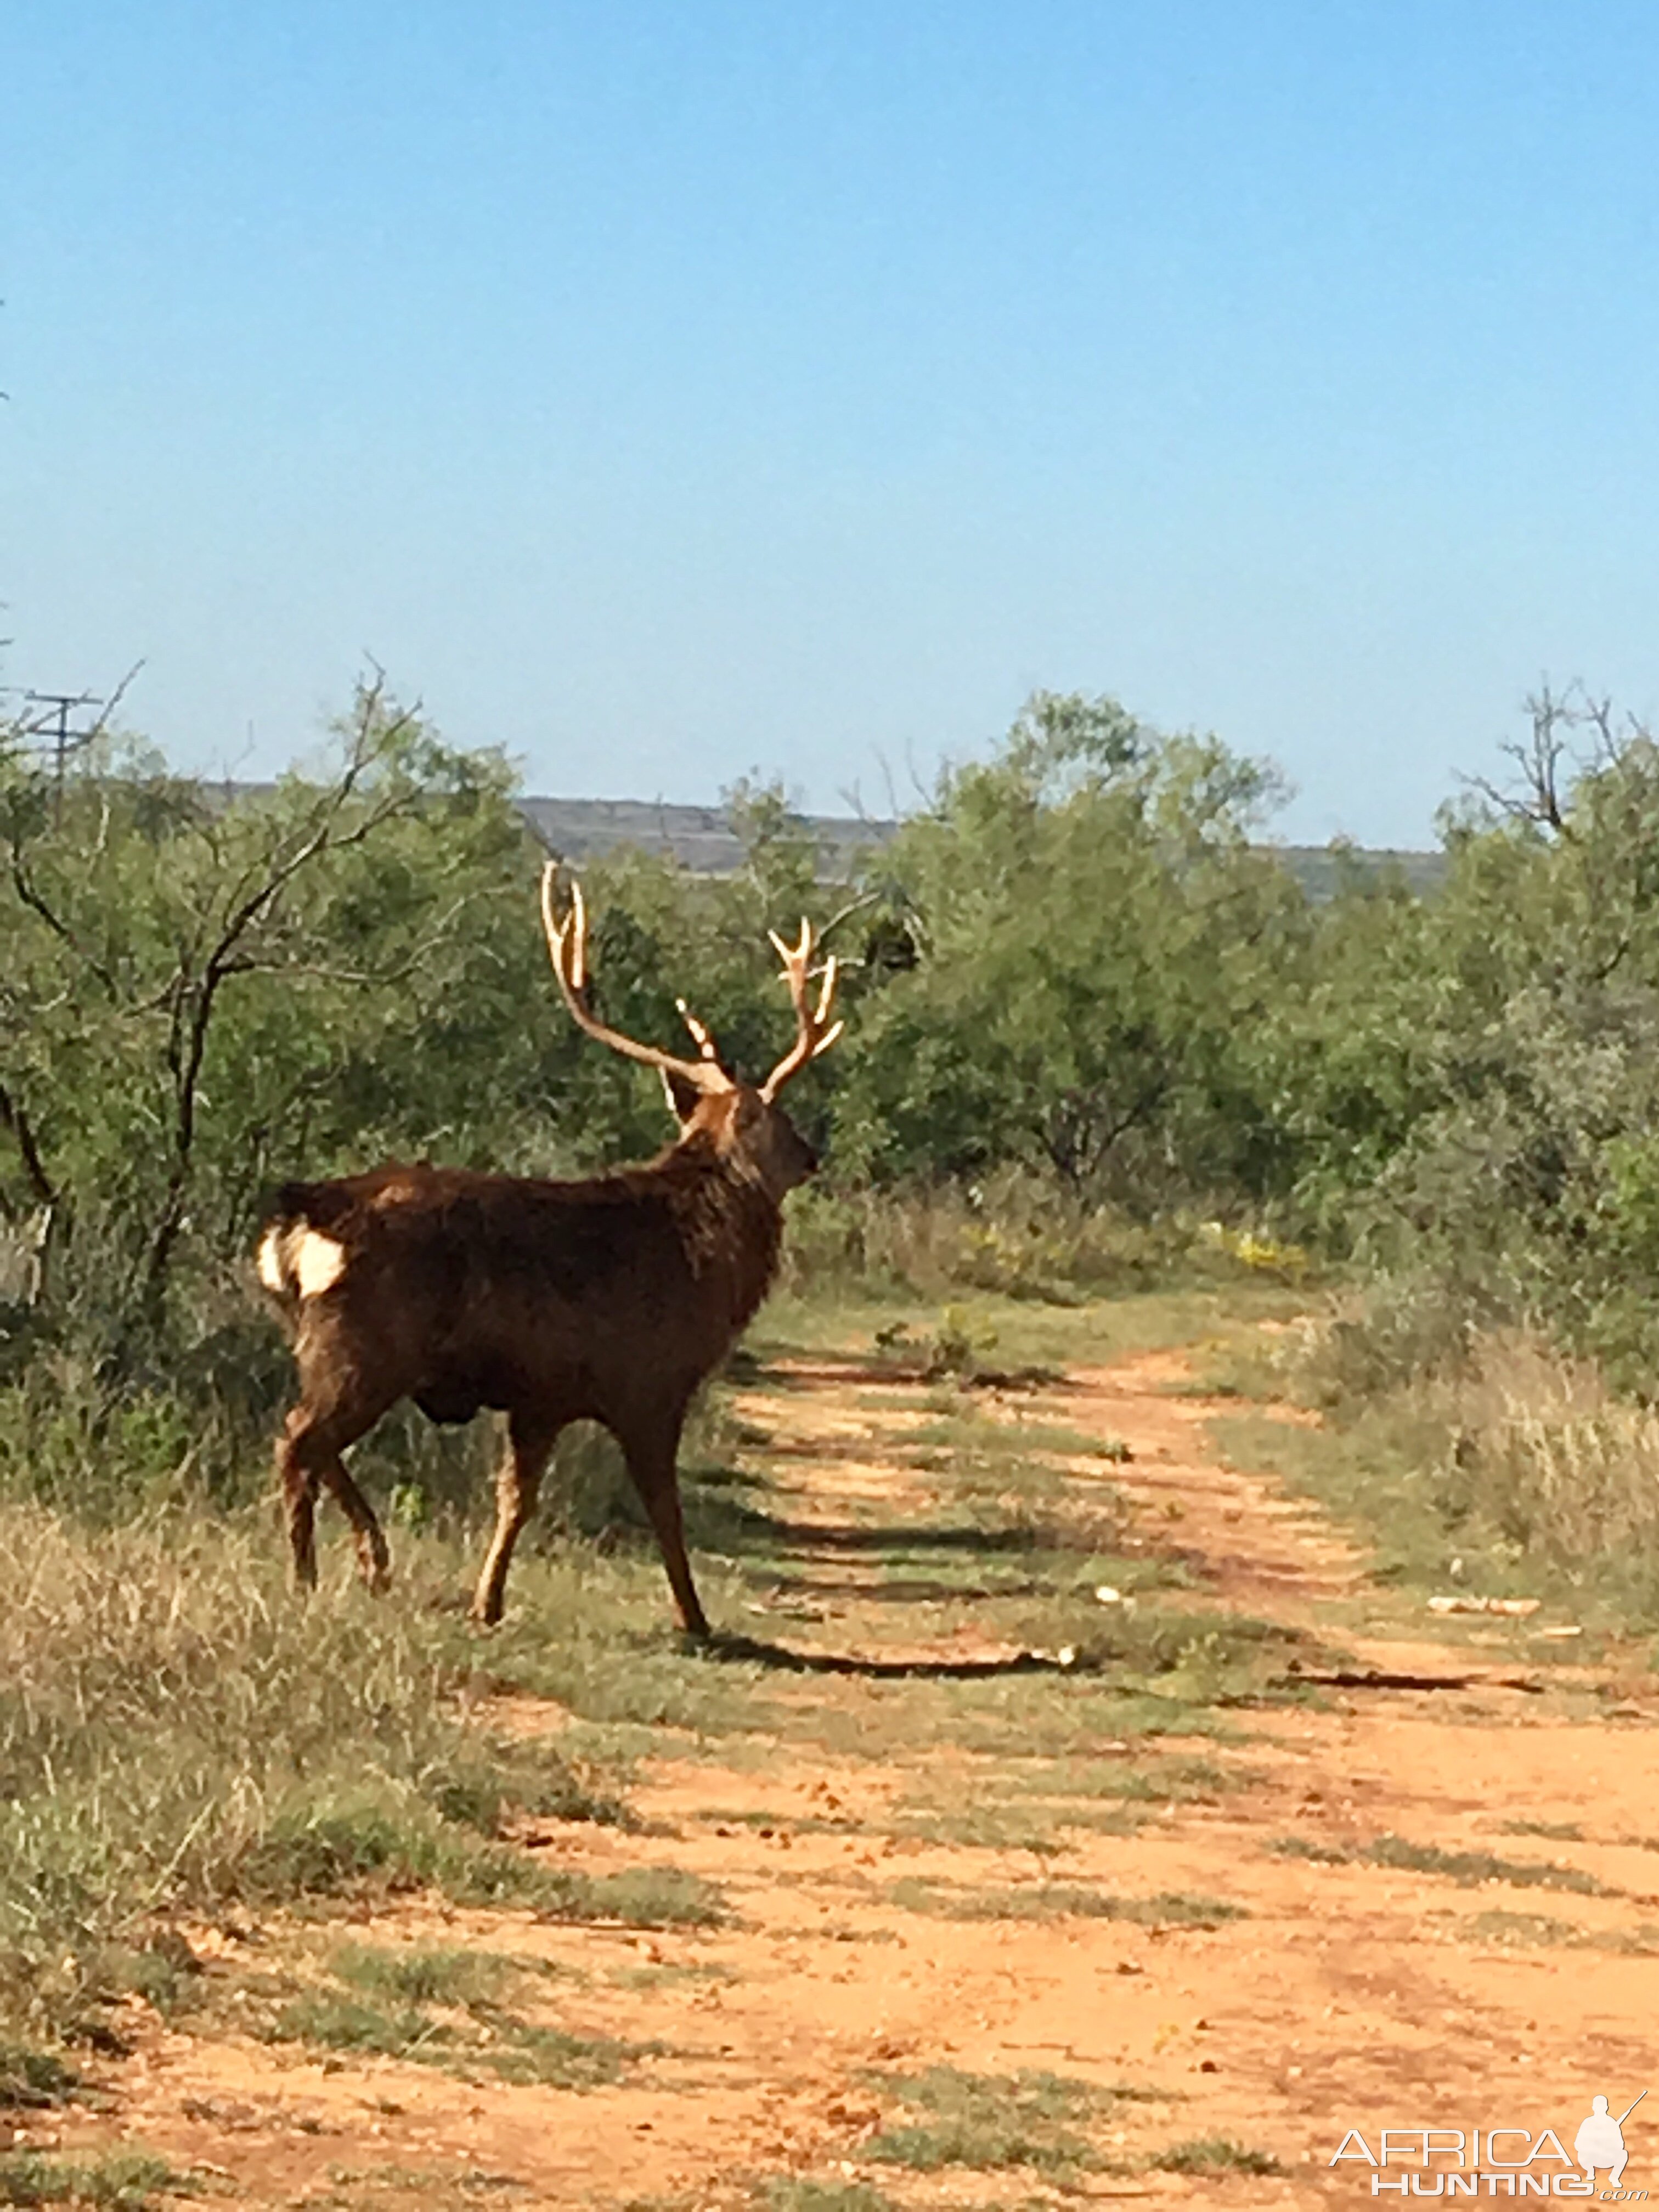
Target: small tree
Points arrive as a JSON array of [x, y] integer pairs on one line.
[[1098, 934], [176, 967]]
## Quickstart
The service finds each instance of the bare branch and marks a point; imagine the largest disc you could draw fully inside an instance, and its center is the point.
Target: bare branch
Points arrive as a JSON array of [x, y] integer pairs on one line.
[[1539, 796], [110, 704], [32, 896], [16, 1123], [860, 904]]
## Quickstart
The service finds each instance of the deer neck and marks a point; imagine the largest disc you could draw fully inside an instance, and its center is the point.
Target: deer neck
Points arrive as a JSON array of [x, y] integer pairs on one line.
[[731, 1228]]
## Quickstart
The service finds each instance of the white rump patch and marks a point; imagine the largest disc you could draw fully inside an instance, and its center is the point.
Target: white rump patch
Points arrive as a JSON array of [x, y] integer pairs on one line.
[[319, 1262], [298, 1258]]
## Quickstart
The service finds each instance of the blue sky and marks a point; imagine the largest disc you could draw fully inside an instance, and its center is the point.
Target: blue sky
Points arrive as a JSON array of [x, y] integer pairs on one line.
[[664, 391]]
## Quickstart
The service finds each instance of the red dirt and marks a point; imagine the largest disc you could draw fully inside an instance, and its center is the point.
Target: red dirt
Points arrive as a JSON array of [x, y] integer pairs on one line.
[[1350, 1995]]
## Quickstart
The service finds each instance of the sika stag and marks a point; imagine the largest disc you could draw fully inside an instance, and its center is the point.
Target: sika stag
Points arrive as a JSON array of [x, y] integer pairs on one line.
[[609, 1299]]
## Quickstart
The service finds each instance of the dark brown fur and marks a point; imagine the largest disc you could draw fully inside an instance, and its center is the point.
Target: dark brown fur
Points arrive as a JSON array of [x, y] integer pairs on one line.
[[609, 1299]]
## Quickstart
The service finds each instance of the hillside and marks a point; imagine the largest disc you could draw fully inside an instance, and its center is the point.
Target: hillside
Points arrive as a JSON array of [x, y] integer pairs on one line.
[[702, 838]]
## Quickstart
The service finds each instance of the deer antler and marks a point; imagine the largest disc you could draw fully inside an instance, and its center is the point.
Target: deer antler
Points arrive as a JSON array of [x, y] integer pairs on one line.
[[566, 946], [811, 1035]]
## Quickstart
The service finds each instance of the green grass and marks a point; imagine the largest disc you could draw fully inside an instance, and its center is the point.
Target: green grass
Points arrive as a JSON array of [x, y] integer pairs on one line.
[[1215, 2155], [345, 2023], [425, 1974], [179, 1737], [1377, 1472], [989, 2121], [1017, 1333], [1158, 1670], [1061, 1901], [638, 1897], [1520, 1930], [438, 2185], [1532, 1931], [516, 1780], [1170, 1781], [792, 2193], [996, 1826], [554, 2059], [486, 2040], [987, 1807], [669, 1975], [334, 1849], [124, 2182], [1200, 1657], [593, 1630], [31, 2078], [1467, 1868]]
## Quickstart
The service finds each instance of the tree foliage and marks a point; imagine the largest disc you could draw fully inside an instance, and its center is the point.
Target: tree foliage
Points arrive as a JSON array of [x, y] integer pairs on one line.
[[1098, 935], [1078, 961]]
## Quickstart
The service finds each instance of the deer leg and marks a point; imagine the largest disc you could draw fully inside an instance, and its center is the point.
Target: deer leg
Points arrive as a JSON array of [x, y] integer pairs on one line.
[[651, 1464], [308, 1452], [517, 1484], [299, 1489], [373, 1560]]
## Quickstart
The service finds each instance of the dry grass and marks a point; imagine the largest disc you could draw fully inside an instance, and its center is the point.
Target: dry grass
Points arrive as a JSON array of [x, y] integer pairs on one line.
[[1501, 1464], [1543, 1448], [177, 1734]]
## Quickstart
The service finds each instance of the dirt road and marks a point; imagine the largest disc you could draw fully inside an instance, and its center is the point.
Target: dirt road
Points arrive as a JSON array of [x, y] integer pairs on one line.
[[1006, 1926]]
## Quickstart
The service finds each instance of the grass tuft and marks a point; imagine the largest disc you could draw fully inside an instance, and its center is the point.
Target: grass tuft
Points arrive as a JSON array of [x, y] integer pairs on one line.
[[987, 2121], [441, 1974], [31, 2078], [342, 2023], [1467, 1868], [639, 1897], [1062, 1901], [793, 2193], [1216, 2154], [479, 2038], [128, 2182]]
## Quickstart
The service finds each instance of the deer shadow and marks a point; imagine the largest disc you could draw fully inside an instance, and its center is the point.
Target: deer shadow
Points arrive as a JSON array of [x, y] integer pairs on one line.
[[789, 1659], [719, 1518]]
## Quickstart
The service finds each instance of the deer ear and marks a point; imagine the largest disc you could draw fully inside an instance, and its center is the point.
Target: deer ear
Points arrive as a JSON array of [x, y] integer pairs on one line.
[[683, 1096]]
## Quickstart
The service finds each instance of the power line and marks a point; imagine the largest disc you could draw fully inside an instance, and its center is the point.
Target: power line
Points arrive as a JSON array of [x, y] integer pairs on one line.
[[54, 726]]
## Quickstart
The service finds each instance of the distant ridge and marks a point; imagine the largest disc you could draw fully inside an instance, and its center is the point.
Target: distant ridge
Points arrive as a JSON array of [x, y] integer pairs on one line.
[[1320, 868], [703, 839]]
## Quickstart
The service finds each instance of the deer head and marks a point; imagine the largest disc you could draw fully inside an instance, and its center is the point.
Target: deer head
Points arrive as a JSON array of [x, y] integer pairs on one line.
[[744, 1126]]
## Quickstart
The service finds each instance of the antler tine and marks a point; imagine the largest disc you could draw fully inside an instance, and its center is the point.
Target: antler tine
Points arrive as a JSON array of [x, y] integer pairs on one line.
[[566, 946], [811, 1036], [701, 1036], [571, 969]]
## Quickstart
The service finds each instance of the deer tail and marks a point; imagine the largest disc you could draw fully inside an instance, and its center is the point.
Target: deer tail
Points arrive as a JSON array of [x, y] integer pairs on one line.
[[298, 1256]]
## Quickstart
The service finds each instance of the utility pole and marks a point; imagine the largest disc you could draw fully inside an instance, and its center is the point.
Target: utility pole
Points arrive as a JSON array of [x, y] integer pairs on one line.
[[54, 726]]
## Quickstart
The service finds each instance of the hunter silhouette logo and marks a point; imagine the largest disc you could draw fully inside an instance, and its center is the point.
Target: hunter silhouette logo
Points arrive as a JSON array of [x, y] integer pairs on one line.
[[1601, 2141], [1509, 2161]]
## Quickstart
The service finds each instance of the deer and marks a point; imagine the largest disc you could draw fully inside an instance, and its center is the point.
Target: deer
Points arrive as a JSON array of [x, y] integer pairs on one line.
[[610, 1298]]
